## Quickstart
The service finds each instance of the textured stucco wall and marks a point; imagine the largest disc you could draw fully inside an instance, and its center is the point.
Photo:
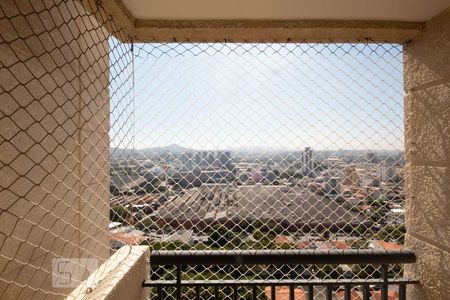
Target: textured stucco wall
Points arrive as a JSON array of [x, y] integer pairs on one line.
[[54, 118], [427, 142]]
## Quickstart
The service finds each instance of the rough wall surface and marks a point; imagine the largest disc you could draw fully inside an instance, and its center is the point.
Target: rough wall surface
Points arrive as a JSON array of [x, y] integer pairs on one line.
[[54, 111], [427, 141]]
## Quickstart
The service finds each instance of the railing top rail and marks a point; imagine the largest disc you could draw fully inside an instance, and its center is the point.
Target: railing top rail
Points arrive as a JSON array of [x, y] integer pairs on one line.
[[281, 257], [279, 282]]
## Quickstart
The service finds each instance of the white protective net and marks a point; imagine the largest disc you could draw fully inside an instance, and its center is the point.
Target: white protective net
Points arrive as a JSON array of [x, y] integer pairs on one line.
[[260, 146], [204, 146]]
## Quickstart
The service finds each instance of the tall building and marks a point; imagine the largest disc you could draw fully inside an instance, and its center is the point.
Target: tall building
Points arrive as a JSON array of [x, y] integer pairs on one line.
[[307, 162], [203, 161], [386, 172], [210, 158], [197, 159]]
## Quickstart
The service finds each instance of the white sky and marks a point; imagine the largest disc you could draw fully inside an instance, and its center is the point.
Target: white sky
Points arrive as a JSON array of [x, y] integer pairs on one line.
[[279, 96]]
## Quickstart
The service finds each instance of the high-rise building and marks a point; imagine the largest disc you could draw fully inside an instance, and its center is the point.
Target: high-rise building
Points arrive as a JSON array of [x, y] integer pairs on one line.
[[210, 158], [307, 162], [204, 156], [197, 159]]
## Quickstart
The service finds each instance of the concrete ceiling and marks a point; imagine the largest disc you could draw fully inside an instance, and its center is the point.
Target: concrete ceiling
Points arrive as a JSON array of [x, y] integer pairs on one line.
[[388, 10]]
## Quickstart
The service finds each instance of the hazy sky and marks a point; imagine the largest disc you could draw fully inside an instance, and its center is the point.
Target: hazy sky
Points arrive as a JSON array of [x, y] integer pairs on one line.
[[219, 96]]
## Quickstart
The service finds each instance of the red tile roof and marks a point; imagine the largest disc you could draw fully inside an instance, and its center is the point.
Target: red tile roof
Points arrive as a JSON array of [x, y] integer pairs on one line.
[[283, 239], [389, 245], [340, 245], [129, 239], [302, 245]]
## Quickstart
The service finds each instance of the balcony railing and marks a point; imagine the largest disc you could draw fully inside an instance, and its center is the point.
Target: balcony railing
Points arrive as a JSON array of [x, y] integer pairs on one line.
[[381, 258]]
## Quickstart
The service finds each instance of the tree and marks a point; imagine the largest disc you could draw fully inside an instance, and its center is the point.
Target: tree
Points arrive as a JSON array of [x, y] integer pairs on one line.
[[145, 224], [118, 213], [340, 199], [271, 227], [394, 233], [220, 235]]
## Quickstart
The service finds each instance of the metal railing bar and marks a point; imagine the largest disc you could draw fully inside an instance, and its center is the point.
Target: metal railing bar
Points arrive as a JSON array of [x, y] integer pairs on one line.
[[281, 257], [384, 286], [366, 292], [347, 292], [160, 292], [310, 292], [197, 292], [287, 282], [178, 282], [291, 292], [402, 292], [329, 293]]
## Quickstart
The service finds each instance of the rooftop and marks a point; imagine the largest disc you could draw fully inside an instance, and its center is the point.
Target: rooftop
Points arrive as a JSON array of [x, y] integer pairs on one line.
[[297, 206]]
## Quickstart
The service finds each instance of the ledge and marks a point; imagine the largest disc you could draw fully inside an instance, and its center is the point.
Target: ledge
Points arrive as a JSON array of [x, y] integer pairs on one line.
[[120, 277], [257, 31]]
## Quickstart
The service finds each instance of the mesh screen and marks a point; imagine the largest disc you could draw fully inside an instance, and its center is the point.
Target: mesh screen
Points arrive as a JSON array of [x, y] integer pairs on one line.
[[106, 143], [261, 146]]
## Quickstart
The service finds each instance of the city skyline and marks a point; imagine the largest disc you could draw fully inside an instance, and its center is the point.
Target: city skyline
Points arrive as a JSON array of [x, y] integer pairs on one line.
[[247, 149]]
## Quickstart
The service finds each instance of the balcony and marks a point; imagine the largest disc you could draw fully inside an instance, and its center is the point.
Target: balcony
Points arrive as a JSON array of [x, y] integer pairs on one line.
[[222, 152], [270, 287]]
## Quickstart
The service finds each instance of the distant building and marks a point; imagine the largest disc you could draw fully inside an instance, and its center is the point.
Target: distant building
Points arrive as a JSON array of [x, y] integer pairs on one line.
[[383, 245], [224, 159], [284, 239], [350, 177], [386, 173], [321, 244], [184, 236], [186, 160], [335, 186], [197, 159], [203, 161], [396, 216], [332, 161], [126, 235], [224, 203], [372, 157], [210, 158], [307, 162], [257, 177]]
